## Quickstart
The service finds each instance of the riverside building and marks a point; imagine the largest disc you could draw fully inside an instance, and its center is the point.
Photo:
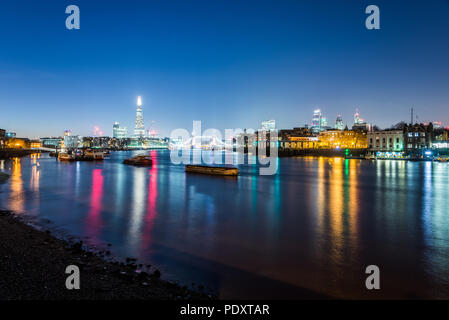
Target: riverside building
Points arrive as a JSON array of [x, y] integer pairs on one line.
[[386, 144], [418, 137]]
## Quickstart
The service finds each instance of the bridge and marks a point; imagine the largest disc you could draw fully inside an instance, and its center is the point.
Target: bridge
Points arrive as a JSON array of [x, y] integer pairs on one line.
[[205, 142], [44, 149]]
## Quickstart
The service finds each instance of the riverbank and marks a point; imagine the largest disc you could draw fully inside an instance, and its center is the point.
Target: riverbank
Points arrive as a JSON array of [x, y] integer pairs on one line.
[[33, 264], [15, 153], [353, 153]]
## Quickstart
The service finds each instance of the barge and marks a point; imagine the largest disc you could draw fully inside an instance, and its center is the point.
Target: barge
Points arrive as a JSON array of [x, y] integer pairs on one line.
[[143, 161], [221, 171], [63, 156]]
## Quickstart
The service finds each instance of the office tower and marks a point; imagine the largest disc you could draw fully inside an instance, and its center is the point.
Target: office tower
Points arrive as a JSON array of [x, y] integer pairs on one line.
[[269, 125], [139, 130], [316, 121], [339, 125], [119, 132]]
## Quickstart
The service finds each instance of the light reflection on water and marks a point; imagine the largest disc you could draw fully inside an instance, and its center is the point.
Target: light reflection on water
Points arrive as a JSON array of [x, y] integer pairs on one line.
[[314, 226]]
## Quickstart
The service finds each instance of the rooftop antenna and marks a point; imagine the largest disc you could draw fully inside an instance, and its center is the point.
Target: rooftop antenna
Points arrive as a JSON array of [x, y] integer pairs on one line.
[[411, 118]]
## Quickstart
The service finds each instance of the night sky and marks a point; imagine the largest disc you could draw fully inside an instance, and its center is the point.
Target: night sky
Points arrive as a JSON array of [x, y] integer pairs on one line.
[[230, 63]]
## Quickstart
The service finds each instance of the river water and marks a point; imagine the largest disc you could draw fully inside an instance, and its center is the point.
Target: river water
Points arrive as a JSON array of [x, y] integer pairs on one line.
[[307, 231]]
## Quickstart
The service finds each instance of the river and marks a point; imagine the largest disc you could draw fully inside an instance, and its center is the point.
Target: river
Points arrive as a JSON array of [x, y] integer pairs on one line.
[[310, 229]]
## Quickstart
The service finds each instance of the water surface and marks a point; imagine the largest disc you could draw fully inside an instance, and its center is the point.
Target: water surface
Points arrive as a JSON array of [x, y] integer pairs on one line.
[[310, 229]]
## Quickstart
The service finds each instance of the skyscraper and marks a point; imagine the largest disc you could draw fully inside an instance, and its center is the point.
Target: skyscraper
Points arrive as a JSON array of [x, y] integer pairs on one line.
[[357, 119], [269, 125], [316, 121], [118, 131], [360, 124], [339, 125], [139, 130]]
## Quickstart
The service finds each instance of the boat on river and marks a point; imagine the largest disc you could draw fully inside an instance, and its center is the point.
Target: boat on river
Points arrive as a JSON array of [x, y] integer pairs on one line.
[[64, 156], [220, 171], [141, 160], [90, 155]]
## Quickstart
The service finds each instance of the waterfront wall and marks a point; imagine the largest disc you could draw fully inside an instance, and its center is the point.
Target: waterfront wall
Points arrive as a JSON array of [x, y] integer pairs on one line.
[[354, 153], [15, 153]]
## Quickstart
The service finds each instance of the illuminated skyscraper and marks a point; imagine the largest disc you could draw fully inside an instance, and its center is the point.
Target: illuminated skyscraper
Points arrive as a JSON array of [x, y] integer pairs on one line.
[[139, 130], [316, 121], [269, 125], [118, 131], [360, 124], [339, 125], [357, 119]]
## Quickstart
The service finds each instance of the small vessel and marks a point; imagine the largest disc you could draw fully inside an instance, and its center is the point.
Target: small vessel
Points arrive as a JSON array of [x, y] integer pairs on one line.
[[443, 159], [93, 155], [221, 171], [370, 157], [98, 156], [141, 160], [64, 156]]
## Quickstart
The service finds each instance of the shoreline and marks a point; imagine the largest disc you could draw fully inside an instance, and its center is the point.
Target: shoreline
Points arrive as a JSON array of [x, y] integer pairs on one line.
[[6, 154], [33, 264]]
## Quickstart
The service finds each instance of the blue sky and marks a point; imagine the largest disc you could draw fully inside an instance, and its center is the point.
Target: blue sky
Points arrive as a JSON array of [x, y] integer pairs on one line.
[[231, 64]]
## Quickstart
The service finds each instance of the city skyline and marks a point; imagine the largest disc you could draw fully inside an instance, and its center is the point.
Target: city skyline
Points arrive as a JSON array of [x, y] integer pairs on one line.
[[273, 61], [324, 123], [227, 157]]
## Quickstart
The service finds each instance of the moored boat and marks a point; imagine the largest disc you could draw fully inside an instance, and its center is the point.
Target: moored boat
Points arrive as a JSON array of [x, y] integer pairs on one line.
[[93, 155], [221, 171], [64, 156], [140, 160], [98, 156]]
